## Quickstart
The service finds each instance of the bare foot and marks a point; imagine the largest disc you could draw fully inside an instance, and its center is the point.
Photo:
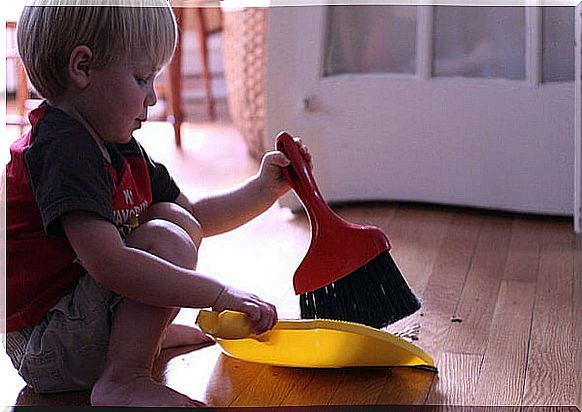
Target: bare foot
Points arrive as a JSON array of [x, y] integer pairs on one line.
[[184, 335], [141, 391]]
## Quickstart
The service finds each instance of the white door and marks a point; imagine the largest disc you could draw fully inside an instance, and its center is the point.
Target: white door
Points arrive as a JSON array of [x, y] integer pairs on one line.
[[455, 105]]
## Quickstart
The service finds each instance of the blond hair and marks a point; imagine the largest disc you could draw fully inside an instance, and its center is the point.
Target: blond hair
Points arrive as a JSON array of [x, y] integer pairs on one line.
[[117, 31]]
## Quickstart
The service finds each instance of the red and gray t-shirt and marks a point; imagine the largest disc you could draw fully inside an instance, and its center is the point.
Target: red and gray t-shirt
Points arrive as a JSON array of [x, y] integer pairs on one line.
[[56, 168]]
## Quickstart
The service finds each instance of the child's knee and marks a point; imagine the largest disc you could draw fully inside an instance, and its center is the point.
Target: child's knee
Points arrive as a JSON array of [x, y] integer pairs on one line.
[[165, 240], [179, 216]]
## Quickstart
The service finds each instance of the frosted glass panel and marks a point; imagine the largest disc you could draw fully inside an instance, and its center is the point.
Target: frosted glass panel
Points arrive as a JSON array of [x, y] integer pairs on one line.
[[370, 39], [479, 42], [558, 41]]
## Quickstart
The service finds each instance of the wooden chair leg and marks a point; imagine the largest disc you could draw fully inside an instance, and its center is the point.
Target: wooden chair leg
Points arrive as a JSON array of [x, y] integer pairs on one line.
[[175, 84], [203, 47], [22, 95], [174, 71]]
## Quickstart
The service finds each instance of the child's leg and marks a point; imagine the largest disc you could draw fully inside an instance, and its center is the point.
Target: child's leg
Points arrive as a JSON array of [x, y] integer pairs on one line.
[[177, 215], [138, 329], [177, 335]]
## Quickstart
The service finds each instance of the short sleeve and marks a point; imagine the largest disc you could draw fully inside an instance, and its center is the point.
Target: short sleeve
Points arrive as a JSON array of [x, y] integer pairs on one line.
[[164, 188], [67, 173]]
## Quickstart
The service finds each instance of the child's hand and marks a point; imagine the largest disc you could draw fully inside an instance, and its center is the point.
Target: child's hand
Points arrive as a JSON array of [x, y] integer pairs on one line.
[[261, 313], [271, 170]]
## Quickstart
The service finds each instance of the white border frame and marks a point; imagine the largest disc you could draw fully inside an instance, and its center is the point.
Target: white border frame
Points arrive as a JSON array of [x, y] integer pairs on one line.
[[578, 121]]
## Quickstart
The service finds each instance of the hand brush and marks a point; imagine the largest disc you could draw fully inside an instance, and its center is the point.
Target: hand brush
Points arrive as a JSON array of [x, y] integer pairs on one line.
[[347, 273]]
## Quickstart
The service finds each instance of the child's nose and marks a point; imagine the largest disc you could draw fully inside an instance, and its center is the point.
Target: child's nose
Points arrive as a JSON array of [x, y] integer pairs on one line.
[[152, 97]]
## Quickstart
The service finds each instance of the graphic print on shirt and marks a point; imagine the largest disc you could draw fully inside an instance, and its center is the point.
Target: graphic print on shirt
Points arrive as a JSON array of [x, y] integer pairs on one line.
[[130, 196]]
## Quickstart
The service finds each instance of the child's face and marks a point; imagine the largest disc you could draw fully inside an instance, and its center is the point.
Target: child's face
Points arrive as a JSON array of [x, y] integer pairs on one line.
[[118, 98]]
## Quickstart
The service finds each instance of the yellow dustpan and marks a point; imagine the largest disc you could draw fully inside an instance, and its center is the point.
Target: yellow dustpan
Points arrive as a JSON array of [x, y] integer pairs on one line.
[[311, 343]]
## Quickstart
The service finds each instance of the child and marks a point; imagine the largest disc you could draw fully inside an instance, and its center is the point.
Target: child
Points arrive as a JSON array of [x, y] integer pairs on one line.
[[101, 243]]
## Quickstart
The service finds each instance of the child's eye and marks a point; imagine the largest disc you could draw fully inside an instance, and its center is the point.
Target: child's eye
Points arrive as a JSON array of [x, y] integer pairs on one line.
[[141, 81]]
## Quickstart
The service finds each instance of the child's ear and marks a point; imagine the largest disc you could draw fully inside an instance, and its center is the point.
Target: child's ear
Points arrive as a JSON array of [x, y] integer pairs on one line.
[[79, 64]]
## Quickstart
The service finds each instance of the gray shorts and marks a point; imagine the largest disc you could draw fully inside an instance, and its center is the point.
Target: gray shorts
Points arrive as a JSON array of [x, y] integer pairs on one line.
[[66, 351]]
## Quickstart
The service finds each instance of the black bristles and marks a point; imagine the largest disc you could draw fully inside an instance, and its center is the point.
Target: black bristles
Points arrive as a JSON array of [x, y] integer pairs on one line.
[[375, 295]]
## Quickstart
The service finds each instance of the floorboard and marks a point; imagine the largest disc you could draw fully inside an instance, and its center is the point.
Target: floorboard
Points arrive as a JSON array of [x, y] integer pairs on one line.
[[502, 375], [445, 284], [315, 387], [360, 386], [457, 379], [577, 335], [550, 369], [270, 387], [469, 333], [406, 386]]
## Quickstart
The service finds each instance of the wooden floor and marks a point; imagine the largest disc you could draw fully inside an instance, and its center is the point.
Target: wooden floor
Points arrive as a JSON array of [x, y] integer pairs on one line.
[[502, 300]]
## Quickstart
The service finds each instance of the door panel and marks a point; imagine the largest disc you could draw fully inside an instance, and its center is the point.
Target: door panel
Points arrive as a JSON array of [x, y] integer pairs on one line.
[[484, 42], [388, 44]]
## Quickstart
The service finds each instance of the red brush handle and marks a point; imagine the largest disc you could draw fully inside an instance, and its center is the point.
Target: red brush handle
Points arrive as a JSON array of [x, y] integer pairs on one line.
[[301, 179], [337, 247]]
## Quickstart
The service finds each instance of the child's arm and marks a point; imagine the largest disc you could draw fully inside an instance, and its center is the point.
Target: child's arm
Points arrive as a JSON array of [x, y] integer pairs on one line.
[[145, 278], [225, 211]]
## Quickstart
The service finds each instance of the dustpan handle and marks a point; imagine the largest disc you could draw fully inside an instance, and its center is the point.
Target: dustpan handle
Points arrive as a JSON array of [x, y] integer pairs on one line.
[[299, 175]]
